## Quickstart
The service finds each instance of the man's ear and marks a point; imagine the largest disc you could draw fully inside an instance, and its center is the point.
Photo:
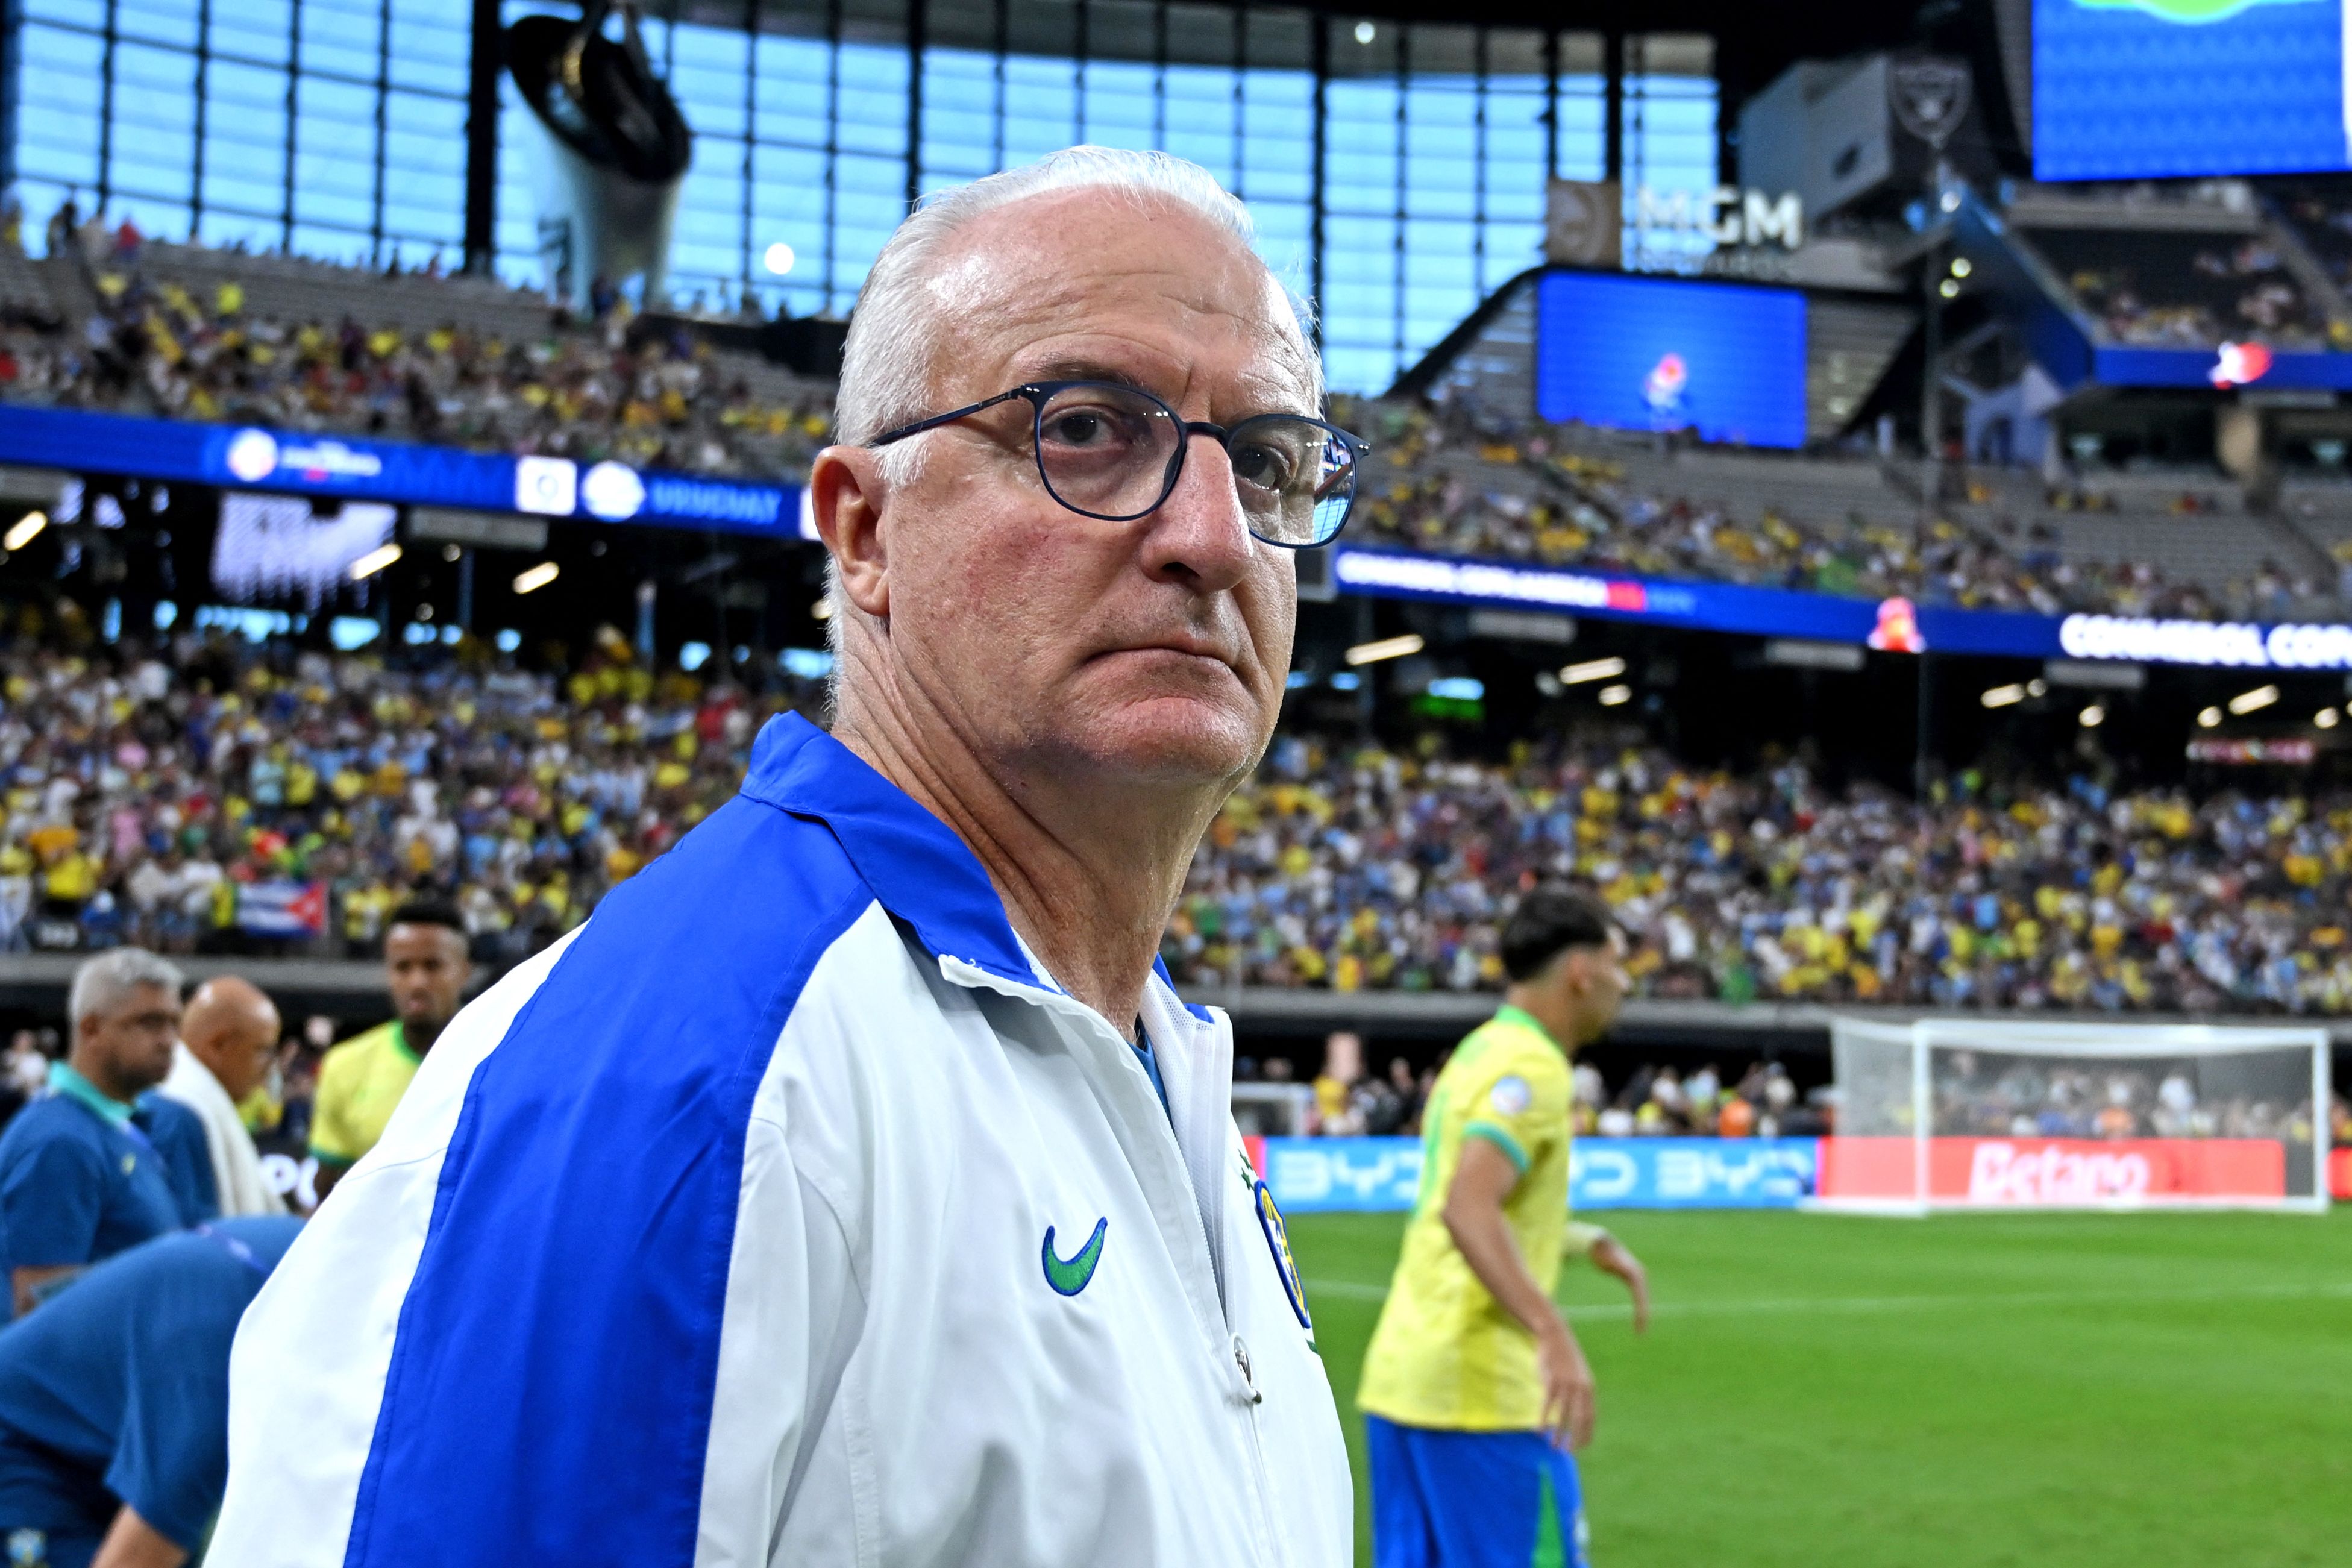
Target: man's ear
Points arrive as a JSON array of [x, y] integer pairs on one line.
[[1575, 970], [845, 492]]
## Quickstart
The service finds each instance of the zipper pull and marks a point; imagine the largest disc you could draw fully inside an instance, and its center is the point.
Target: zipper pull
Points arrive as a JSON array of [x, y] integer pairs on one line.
[[1241, 1360]]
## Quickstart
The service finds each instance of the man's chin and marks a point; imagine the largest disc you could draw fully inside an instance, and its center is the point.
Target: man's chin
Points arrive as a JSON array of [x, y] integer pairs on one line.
[[1183, 741]]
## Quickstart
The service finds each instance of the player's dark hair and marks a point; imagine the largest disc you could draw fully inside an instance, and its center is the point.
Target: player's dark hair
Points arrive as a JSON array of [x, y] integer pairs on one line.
[[429, 913], [1552, 918]]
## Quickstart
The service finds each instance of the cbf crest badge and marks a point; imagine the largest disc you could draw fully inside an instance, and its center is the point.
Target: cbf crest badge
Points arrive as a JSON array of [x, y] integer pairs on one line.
[[28, 1549], [1278, 1240]]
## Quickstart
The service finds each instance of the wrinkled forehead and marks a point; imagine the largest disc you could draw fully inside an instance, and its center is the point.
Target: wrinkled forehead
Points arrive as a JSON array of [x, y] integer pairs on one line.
[[1095, 281]]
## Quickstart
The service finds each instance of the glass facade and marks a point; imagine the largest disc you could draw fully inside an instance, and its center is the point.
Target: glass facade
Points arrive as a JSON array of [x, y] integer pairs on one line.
[[1396, 171], [332, 127]]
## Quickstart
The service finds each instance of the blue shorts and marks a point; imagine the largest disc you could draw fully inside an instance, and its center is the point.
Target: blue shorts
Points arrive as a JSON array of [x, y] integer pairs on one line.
[[1471, 1499]]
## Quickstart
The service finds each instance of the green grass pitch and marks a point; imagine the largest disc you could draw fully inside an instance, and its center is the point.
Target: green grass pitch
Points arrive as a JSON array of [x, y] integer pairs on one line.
[[2059, 1391]]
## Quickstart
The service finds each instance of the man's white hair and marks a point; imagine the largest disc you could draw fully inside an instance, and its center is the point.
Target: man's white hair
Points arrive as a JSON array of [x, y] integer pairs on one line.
[[885, 363], [107, 982]]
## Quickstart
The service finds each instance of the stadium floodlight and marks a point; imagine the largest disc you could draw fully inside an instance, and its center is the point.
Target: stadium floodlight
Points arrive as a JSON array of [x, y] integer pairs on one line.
[[2037, 687], [2207, 719], [27, 528], [1592, 669], [2253, 702], [1948, 289], [373, 562], [2003, 696], [2094, 716], [533, 578], [821, 610], [1615, 696], [780, 259], [1969, 1113], [1961, 266], [1386, 648], [1366, 32]]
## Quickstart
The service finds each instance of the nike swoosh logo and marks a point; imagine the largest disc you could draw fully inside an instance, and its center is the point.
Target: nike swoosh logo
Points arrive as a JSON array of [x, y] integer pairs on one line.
[[1070, 1277]]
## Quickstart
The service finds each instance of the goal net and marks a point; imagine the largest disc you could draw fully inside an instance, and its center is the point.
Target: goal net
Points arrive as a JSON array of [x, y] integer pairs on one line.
[[1958, 1113]]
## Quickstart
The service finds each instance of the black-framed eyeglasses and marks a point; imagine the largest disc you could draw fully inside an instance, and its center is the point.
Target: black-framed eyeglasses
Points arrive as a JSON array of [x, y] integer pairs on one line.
[[1115, 453]]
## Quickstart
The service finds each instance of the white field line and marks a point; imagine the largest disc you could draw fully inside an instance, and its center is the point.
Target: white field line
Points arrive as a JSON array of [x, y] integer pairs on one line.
[[1356, 1290]]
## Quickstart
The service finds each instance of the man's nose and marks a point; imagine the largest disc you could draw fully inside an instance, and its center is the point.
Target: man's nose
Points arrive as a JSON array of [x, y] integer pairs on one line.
[[1200, 535]]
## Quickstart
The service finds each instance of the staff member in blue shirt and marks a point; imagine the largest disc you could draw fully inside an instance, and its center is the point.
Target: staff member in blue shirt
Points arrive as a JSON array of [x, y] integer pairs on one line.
[[96, 1164], [114, 1401]]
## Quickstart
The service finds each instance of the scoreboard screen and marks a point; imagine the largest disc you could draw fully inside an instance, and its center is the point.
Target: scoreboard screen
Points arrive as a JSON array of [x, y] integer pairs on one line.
[[1725, 360], [2130, 89]]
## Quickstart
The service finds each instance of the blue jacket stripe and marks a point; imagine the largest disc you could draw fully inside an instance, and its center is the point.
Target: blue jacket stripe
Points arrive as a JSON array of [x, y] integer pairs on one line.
[[551, 1383]]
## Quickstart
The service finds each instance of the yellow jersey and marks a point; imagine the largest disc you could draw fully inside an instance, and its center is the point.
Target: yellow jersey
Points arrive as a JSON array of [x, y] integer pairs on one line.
[[1445, 1353], [360, 1084]]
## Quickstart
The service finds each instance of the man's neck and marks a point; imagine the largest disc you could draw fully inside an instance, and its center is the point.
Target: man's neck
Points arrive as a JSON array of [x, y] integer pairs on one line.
[[1088, 877], [1560, 1025], [419, 1038]]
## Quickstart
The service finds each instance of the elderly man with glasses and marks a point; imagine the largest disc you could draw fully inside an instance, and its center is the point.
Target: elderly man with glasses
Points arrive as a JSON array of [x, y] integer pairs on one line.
[[853, 1188]]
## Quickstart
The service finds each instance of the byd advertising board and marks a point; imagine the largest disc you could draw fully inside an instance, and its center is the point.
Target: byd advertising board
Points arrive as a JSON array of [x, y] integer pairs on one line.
[[1372, 1176]]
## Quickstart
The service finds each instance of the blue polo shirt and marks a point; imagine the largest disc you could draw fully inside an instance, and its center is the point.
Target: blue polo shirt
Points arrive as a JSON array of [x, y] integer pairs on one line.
[[117, 1392], [178, 1134], [82, 1177]]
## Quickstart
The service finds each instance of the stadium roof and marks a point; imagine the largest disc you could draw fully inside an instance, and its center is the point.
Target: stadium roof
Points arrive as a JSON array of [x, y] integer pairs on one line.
[[1753, 43]]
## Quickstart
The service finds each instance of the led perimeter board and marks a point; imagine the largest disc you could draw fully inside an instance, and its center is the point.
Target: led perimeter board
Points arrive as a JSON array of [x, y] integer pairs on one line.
[[2128, 89], [1727, 360]]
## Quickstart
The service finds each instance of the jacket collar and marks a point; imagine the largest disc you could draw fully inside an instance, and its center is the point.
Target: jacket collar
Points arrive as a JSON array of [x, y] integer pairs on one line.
[[919, 871], [70, 1084]]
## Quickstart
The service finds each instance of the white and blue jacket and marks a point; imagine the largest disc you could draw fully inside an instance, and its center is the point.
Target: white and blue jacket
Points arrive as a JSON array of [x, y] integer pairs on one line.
[[785, 1214]]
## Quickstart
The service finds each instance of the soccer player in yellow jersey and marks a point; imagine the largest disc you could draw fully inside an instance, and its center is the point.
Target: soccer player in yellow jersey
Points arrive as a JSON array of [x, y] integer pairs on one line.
[[362, 1081], [1475, 1390]]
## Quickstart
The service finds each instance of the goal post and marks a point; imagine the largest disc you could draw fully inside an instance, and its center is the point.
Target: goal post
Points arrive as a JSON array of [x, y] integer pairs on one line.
[[1944, 1113]]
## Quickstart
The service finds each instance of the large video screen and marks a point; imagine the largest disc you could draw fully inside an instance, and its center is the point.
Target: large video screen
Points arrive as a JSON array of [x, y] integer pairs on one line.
[[2128, 89], [288, 547], [1662, 353]]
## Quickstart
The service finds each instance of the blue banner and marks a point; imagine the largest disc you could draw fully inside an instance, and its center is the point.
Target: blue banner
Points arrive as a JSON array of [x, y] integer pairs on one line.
[[2225, 366], [355, 468], [1890, 625], [1377, 1175]]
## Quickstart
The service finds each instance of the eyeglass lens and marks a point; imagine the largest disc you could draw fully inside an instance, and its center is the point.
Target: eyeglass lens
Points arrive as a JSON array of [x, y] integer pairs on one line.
[[1112, 452]]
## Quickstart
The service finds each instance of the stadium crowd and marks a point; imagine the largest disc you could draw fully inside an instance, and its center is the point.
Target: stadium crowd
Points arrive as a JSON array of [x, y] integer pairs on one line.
[[1361, 868], [610, 386], [1586, 513], [2001, 1096], [207, 793], [2225, 291], [211, 793], [1653, 1100], [656, 396]]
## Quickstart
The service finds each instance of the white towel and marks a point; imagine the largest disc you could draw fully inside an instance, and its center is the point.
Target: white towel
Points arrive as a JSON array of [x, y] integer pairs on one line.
[[236, 1165]]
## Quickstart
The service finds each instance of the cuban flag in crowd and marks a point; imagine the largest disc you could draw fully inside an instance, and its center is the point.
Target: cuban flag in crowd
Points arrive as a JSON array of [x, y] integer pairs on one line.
[[282, 908]]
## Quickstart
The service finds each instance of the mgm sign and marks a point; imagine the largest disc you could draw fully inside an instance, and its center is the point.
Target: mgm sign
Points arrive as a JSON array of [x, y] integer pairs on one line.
[[1727, 230]]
